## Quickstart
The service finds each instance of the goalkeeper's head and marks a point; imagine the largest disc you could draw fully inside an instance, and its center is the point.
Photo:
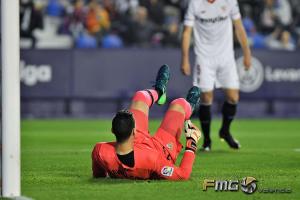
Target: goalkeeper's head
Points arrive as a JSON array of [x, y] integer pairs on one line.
[[123, 125]]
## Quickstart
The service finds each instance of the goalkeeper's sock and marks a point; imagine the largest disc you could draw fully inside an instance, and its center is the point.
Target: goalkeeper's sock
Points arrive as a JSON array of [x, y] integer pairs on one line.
[[205, 120], [148, 96], [228, 112], [185, 105]]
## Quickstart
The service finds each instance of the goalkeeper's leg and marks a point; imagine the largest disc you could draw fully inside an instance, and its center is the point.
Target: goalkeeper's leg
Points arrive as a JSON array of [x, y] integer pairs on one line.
[[168, 134], [170, 129], [144, 99], [180, 110], [141, 102]]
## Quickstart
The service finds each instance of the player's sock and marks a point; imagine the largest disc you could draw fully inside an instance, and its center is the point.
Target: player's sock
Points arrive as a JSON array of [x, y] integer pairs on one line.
[[205, 120], [148, 96], [186, 106], [228, 112]]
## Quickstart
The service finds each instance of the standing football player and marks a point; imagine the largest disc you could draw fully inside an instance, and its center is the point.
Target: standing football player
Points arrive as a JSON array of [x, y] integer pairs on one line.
[[211, 22]]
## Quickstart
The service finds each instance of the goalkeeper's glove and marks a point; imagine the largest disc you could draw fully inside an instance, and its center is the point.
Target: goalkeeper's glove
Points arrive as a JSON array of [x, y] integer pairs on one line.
[[192, 134]]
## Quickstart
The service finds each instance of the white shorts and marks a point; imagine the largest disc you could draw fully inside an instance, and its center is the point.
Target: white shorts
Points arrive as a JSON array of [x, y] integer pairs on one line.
[[210, 73]]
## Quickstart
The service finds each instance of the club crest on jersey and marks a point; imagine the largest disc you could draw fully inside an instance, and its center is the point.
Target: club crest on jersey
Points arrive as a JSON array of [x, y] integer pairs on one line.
[[167, 171], [223, 8], [170, 146]]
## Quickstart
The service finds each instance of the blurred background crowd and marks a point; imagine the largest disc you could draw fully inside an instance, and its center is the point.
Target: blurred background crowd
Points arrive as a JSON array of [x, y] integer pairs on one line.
[[270, 24]]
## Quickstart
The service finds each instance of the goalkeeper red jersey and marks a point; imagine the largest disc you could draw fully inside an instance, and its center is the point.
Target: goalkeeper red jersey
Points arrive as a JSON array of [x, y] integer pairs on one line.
[[154, 158]]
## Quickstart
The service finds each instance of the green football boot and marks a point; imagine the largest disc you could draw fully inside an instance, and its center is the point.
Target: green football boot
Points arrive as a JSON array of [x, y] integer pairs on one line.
[[193, 97], [162, 79]]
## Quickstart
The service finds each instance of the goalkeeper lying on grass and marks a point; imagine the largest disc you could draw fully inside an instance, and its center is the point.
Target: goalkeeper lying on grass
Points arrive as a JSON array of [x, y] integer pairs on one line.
[[138, 155]]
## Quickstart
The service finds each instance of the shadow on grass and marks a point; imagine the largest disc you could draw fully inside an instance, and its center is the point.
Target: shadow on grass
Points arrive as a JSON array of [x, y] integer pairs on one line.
[[115, 181], [218, 151]]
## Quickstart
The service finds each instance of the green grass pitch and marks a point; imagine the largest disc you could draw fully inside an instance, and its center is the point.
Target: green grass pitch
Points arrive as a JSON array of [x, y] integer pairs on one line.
[[56, 162]]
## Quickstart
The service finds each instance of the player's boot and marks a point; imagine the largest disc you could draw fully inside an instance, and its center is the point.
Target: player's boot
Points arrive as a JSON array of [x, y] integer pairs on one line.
[[227, 137], [193, 97], [206, 145], [162, 79]]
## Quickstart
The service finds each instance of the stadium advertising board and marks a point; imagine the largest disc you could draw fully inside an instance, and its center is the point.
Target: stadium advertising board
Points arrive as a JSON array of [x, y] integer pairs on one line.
[[46, 73], [114, 75], [274, 74], [106, 73]]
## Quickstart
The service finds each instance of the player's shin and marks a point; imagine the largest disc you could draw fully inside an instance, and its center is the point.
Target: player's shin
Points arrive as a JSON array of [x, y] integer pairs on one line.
[[148, 96], [228, 112], [185, 105], [205, 121]]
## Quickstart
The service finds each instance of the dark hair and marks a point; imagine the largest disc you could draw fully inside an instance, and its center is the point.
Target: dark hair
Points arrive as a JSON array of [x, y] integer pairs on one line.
[[122, 125]]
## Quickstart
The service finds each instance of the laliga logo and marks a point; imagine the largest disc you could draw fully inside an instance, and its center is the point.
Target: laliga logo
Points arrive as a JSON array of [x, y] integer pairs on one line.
[[252, 79], [32, 74]]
